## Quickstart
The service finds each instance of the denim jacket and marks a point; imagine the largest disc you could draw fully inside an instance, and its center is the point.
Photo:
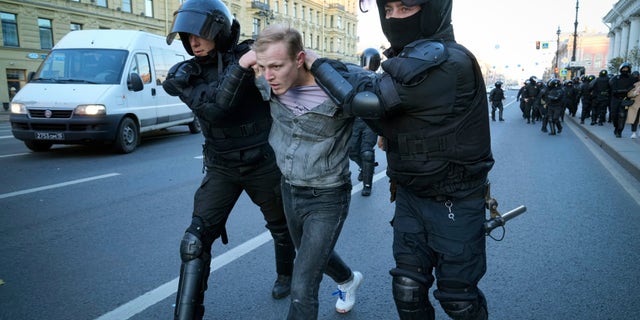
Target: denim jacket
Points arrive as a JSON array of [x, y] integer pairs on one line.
[[311, 149]]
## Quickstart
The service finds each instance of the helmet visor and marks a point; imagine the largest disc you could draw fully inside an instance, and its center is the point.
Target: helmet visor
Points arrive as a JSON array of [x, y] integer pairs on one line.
[[198, 23]]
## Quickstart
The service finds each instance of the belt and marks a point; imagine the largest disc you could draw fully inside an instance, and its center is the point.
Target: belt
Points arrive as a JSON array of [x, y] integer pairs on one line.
[[244, 130], [480, 193]]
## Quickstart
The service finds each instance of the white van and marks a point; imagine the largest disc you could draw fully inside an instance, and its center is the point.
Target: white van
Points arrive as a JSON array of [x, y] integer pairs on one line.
[[100, 86]]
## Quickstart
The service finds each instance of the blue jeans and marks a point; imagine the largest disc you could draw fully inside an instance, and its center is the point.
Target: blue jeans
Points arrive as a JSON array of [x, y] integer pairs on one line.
[[315, 217]]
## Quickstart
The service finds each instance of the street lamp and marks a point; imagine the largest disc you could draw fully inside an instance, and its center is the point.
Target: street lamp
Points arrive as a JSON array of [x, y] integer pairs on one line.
[[557, 72], [575, 40]]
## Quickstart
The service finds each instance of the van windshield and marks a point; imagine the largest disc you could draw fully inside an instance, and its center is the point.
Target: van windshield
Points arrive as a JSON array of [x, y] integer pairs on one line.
[[96, 66]]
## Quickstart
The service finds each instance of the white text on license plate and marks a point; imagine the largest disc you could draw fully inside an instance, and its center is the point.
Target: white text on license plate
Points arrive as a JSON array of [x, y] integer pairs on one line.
[[49, 135]]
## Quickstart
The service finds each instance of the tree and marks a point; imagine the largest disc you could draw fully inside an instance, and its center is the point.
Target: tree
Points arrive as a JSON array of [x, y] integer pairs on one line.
[[634, 57], [614, 64]]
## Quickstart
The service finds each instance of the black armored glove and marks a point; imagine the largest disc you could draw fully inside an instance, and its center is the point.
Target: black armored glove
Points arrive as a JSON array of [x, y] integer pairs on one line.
[[179, 76]]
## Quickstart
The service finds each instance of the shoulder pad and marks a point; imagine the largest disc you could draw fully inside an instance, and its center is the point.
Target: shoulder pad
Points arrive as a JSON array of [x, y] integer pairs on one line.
[[432, 52], [412, 64]]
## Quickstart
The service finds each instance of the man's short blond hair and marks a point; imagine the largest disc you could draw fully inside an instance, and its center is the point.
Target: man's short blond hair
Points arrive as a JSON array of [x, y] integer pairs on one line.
[[280, 33]]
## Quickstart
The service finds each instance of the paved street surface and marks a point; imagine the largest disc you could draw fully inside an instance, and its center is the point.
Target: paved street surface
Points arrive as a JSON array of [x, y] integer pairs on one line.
[[87, 234]]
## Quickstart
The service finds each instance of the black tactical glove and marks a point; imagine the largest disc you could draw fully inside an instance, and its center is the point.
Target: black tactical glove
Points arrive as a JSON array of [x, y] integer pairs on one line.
[[179, 76]]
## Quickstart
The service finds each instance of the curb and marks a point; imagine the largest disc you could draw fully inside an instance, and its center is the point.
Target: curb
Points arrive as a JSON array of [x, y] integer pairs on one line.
[[623, 161]]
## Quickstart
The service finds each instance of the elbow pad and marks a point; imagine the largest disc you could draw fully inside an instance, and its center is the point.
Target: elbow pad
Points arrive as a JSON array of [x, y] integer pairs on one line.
[[365, 105], [331, 81], [231, 87]]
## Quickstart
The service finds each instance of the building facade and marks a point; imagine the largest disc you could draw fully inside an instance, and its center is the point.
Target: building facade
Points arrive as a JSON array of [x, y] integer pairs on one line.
[[30, 28], [624, 29]]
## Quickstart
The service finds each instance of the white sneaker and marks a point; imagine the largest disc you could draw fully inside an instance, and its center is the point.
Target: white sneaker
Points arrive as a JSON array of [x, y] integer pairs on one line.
[[347, 293], [633, 135]]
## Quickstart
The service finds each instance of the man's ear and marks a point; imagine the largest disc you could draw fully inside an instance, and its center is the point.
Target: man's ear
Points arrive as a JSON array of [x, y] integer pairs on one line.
[[300, 59]]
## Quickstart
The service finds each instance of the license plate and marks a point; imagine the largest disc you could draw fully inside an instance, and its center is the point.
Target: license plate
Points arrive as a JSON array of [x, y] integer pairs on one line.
[[49, 135]]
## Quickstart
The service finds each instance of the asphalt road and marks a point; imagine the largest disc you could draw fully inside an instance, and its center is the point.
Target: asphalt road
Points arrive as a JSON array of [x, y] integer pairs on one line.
[[91, 235]]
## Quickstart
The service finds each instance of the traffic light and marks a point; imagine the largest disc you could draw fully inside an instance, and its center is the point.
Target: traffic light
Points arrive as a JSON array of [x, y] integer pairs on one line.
[[537, 45]]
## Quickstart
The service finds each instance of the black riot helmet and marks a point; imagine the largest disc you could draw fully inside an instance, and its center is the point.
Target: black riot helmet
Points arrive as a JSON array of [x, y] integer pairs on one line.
[[433, 21], [553, 83], [498, 84], [603, 73], [625, 69], [590, 78], [370, 58], [207, 19]]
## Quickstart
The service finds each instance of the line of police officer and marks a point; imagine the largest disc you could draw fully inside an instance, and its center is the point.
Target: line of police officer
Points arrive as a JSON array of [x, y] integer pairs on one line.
[[540, 101]]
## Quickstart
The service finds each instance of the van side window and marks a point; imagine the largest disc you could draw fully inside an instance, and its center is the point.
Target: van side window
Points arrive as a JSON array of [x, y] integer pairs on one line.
[[163, 60], [141, 66]]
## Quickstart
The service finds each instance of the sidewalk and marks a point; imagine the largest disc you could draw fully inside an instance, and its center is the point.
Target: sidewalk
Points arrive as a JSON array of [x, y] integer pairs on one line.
[[625, 151], [4, 115]]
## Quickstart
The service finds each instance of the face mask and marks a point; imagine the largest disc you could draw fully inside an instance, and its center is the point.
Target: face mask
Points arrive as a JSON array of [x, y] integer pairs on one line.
[[401, 32]]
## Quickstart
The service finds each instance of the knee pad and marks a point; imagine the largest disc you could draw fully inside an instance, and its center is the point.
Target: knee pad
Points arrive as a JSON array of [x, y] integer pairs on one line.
[[411, 294], [461, 300], [191, 247]]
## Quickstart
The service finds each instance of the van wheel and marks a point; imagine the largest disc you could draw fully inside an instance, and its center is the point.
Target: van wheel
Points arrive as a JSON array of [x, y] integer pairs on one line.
[[38, 146], [127, 137], [194, 127]]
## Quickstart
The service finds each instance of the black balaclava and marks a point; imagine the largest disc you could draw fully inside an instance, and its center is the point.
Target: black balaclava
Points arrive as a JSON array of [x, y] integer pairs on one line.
[[433, 21]]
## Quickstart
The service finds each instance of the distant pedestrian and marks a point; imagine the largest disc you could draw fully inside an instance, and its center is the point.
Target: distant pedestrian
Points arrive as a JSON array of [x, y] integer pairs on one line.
[[633, 113]]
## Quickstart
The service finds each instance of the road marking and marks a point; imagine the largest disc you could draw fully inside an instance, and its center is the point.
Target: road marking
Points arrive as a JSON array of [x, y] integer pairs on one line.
[[57, 185], [148, 299], [13, 155], [5, 137]]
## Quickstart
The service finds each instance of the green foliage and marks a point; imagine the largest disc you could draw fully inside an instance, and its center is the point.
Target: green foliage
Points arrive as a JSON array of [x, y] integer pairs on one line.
[[634, 57], [614, 64]]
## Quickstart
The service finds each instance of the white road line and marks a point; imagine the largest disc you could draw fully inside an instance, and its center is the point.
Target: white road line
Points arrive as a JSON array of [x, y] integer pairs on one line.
[[148, 299], [57, 185], [6, 137], [14, 155]]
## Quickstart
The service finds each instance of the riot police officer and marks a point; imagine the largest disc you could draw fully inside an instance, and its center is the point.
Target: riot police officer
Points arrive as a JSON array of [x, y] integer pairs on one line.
[[601, 95], [554, 97], [586, 99], [430, 105], [495, 97], [237, 155], [363, 139], [531, 91], [620, 84]]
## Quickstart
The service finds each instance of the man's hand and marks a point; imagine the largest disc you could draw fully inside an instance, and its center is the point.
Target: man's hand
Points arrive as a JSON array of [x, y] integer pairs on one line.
[[310, 57], [249, 60]]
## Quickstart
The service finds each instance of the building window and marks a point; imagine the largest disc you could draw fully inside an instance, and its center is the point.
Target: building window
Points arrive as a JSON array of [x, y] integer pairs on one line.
[[9, 29], [126, 6], [276, 3], [148, 8], [302, 12], [285, 7], [101, 3], [256, 27], [46, 33], [295, 10], [16, 78], [339, 25], [75, 26]]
